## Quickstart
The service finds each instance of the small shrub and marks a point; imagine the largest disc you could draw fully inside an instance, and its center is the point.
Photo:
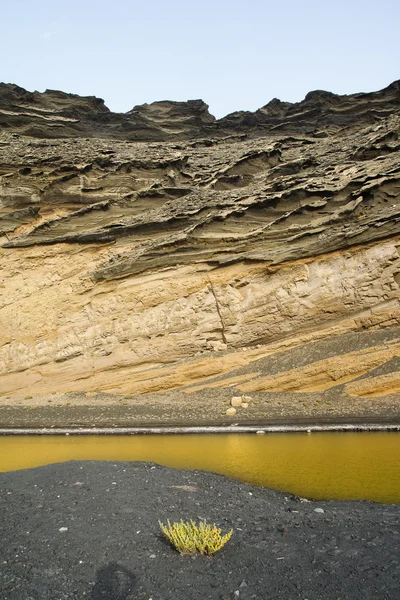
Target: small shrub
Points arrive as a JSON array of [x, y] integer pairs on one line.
[[189, 538]]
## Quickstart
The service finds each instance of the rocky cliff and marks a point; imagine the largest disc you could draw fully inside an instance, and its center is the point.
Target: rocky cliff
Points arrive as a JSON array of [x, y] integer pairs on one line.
[[163, 249]]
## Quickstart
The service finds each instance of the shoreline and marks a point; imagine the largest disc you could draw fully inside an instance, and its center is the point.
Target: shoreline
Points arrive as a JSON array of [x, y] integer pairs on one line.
[[206, 409], [208, 429]]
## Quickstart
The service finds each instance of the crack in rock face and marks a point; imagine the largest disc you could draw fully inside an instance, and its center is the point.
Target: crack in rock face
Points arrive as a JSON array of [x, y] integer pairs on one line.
[[164, 249]]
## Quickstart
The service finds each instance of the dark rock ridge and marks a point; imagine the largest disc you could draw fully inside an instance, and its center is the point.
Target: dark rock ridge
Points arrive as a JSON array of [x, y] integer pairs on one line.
[[215, 200], [55, 114]]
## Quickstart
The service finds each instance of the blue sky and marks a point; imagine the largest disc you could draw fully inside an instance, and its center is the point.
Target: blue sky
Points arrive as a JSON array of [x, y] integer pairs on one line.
[[234, 55]]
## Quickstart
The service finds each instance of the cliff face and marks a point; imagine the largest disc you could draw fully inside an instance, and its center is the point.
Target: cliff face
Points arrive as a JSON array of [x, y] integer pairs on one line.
[[161, 248]]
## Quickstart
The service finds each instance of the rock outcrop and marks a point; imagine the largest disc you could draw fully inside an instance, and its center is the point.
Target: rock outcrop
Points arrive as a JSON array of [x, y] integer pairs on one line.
[[161, 248]]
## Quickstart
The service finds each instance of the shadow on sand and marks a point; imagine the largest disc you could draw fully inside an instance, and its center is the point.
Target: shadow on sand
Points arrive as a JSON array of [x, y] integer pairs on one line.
[[113, 582]]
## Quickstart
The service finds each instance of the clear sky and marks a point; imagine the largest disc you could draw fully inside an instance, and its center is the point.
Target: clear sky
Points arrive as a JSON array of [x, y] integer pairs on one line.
[[233, 54]]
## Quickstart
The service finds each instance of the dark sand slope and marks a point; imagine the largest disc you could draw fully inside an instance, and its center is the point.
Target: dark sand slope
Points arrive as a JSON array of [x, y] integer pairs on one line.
[[281, 548]]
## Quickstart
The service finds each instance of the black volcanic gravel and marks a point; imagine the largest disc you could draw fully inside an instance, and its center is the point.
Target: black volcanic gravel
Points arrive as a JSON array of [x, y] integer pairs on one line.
[[282, 548]]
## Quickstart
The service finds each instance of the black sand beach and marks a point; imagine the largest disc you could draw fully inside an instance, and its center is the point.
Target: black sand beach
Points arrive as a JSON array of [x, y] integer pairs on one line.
[[90, 530]]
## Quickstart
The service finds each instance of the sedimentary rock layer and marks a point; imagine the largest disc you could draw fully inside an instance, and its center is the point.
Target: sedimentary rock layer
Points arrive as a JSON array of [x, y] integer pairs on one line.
[[144, 266]]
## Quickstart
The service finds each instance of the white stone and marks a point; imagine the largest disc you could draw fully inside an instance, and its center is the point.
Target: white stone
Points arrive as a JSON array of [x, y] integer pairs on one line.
[[236, 401], [247, 398], [231, 412]]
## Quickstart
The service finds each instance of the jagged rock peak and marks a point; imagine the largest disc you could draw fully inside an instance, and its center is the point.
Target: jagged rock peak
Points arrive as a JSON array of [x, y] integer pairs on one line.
[[171, 108], [50, 99]]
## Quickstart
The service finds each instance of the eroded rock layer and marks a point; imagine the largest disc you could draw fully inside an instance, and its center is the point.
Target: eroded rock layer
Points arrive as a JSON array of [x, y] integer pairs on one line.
[[134, 267]]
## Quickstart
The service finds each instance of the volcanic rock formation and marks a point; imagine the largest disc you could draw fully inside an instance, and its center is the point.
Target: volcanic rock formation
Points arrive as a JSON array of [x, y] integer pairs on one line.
[[161, 248]]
